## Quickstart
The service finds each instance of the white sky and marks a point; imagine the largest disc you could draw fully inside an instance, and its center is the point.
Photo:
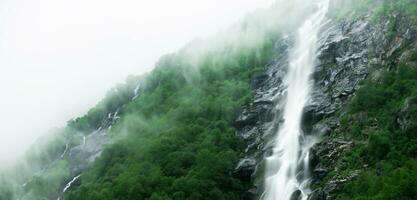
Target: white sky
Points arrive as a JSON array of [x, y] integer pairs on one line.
[[59, 57]]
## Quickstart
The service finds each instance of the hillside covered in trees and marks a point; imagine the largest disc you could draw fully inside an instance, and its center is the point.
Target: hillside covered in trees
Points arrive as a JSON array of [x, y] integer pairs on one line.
[[178, 131]]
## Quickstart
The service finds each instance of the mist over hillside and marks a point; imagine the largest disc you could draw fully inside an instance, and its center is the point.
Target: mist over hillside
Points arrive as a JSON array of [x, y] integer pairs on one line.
[[58, 59], [295, 100]]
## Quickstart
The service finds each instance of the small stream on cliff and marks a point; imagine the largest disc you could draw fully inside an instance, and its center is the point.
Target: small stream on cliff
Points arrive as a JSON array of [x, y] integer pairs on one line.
[[287, 173]]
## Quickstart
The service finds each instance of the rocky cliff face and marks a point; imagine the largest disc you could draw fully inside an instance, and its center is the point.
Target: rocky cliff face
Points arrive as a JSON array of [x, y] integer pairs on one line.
[[367, 47], [351, 50]]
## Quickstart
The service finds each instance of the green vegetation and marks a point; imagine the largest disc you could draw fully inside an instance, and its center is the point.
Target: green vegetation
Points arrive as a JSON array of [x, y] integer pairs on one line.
[[352, 8], [6, 189], [25, 182], [382, 119], [180, 142], [42, 187], [380, 8], [42, 172], [177, 140], [113, 100], [398, 7], [403, 7]]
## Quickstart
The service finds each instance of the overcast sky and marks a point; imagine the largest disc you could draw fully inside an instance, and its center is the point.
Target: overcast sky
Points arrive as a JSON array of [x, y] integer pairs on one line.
[[59, 57]]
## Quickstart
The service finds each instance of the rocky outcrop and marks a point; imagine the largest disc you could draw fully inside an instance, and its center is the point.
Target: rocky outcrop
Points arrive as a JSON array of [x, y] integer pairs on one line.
[[365, 50], [253, 123], [350, 51], [405, 118]]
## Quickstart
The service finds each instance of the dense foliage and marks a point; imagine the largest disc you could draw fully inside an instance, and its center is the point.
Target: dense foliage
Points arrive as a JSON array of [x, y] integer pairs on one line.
[[382, 119], [24, 180], [41, 173], [177, 141], [114, 99], [180, 142], [177, 132], [381, 8]]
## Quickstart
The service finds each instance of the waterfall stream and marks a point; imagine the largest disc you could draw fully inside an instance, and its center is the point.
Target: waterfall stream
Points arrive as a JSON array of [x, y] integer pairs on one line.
[[287, 174]]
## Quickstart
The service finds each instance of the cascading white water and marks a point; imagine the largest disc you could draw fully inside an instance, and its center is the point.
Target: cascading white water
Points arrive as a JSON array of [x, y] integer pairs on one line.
[[287, 167]]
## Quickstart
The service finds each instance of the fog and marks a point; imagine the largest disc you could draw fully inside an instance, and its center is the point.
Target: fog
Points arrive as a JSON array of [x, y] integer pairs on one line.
[[58, 58]]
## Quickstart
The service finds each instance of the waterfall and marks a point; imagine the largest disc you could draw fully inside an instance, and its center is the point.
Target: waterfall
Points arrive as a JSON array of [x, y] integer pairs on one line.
[[287, 174]]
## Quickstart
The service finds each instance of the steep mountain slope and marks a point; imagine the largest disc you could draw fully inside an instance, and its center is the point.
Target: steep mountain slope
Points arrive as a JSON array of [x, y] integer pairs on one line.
[[64, 153], [200, 125], [364, 150], [179, 141], [167, 125], [369, 151]]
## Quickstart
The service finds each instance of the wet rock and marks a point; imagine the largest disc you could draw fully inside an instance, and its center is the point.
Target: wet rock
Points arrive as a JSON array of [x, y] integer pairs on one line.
[[317, 195], [406, 117], [406, 56], [310, 117], [250, 194], [320, 172], [338, 181], [247, 118], [245, 169], [296, 195], [314, 160], [258, 80]]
